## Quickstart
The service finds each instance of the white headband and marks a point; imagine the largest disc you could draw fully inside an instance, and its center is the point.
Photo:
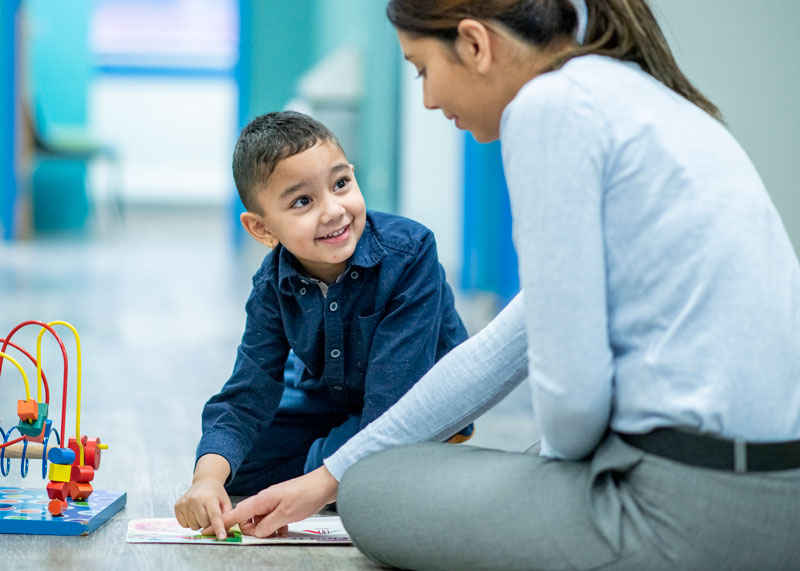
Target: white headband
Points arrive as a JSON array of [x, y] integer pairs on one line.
[[583, 16]]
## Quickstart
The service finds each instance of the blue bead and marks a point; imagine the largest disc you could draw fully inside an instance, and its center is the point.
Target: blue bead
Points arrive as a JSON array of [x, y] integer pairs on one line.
[[61, 456]]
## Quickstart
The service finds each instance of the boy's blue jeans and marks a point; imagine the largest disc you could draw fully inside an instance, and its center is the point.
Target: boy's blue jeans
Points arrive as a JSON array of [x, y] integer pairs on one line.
[[308, 427], [295, 443]]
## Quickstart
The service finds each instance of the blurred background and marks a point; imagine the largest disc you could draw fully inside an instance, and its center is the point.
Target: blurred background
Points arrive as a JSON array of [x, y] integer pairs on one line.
[[113, 107], [117, 123]]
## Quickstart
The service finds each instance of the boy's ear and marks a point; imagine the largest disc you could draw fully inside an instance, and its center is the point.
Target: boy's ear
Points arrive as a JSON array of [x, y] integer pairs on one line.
[[256, 227], [474, 45]]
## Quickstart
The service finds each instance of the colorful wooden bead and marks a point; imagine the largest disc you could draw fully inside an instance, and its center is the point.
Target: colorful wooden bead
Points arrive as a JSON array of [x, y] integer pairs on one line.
[[61, 456], [58, 490], [60, 472], [57, 507], [72, 444], [35, 427], [82, 473], [80, 490], [91, 455], [27, 410], [40, 437]]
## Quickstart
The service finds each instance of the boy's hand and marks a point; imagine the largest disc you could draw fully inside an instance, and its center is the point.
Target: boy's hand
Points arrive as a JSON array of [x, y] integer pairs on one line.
[[269, 512], [204, 503]]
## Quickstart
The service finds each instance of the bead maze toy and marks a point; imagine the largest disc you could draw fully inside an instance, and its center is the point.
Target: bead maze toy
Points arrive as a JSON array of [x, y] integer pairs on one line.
[[68, 505]]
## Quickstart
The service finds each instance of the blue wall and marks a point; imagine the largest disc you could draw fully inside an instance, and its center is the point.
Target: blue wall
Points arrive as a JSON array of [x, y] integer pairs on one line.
[[59, 61], [59, 76], [277, 45], [363, 23], [490, 261], [8, 115]]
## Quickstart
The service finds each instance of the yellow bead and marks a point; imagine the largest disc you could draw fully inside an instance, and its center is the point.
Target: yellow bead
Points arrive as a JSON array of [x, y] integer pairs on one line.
[[60, 472]]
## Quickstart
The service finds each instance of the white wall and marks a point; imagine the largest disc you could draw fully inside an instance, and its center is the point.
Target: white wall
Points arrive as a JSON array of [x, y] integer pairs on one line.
[[174, 136], [431, 172], [744, 56]]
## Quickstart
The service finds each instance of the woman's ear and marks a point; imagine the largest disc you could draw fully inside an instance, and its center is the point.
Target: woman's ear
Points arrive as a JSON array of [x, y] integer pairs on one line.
[[473, 45], [257, 228]]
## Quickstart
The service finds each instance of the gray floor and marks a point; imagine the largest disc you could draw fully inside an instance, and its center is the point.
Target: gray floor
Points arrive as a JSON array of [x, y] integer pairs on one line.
[[158, 301]]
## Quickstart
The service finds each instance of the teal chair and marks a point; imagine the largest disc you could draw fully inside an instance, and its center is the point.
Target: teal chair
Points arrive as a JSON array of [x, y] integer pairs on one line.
[[60, 194], [59, 72]]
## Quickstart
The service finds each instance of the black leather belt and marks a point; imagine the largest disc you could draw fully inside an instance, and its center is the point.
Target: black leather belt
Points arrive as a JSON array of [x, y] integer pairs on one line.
[[706, 451]]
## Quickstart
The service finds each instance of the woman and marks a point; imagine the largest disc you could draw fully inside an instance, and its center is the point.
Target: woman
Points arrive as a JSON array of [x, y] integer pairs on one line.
[[661, 321]]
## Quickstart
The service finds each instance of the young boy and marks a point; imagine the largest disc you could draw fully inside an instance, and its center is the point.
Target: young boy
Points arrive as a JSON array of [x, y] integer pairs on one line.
[[359, 298]]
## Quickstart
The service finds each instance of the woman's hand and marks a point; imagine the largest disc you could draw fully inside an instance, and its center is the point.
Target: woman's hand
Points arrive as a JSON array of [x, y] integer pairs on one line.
[[269, 511]]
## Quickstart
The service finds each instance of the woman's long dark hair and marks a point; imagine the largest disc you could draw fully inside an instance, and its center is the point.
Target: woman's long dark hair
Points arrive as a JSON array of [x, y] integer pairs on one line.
[[622, 29]]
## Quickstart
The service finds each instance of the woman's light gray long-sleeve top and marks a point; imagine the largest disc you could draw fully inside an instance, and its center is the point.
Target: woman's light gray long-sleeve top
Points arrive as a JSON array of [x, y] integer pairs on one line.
[[464, 384], [661, 288]]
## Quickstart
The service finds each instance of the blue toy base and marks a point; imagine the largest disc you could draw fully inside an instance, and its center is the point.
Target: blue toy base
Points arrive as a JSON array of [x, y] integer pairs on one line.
[[24, 511]]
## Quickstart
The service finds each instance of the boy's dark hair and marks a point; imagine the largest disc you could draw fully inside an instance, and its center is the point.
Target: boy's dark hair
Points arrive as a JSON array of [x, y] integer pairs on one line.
[[267, 140]]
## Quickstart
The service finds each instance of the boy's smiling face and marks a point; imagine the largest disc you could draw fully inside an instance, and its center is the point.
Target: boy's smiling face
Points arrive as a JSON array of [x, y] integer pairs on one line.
[[312, 205]]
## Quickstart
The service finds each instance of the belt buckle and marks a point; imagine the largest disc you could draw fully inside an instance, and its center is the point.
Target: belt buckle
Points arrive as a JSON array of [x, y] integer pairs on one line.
[[739, 455]]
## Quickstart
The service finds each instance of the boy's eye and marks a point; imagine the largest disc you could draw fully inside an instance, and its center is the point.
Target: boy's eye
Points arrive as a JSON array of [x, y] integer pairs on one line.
[[301, 202], [341, 183]]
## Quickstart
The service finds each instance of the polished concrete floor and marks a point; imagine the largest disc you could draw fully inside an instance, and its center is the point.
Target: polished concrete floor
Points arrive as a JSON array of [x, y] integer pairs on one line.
[[158, 300]]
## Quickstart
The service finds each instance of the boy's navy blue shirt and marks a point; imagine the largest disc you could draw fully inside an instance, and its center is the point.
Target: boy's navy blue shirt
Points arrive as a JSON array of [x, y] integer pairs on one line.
[[387, 319]]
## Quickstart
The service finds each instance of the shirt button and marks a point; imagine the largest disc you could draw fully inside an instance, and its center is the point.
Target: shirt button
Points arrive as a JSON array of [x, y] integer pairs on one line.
[[302, 291], [354, 275], [335, 353], [334, 306], [337, 388]]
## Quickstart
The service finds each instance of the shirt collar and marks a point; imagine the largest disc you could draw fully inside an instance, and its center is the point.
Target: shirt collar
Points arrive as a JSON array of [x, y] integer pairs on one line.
[[369, 252]]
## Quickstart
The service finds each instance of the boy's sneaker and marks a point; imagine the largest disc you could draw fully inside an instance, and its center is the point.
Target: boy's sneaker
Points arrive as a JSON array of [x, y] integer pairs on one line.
[[462, 435]]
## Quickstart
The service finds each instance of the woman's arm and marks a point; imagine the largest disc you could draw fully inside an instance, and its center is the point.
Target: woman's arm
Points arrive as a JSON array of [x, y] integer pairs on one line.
[[465, 383], [555, 149]]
